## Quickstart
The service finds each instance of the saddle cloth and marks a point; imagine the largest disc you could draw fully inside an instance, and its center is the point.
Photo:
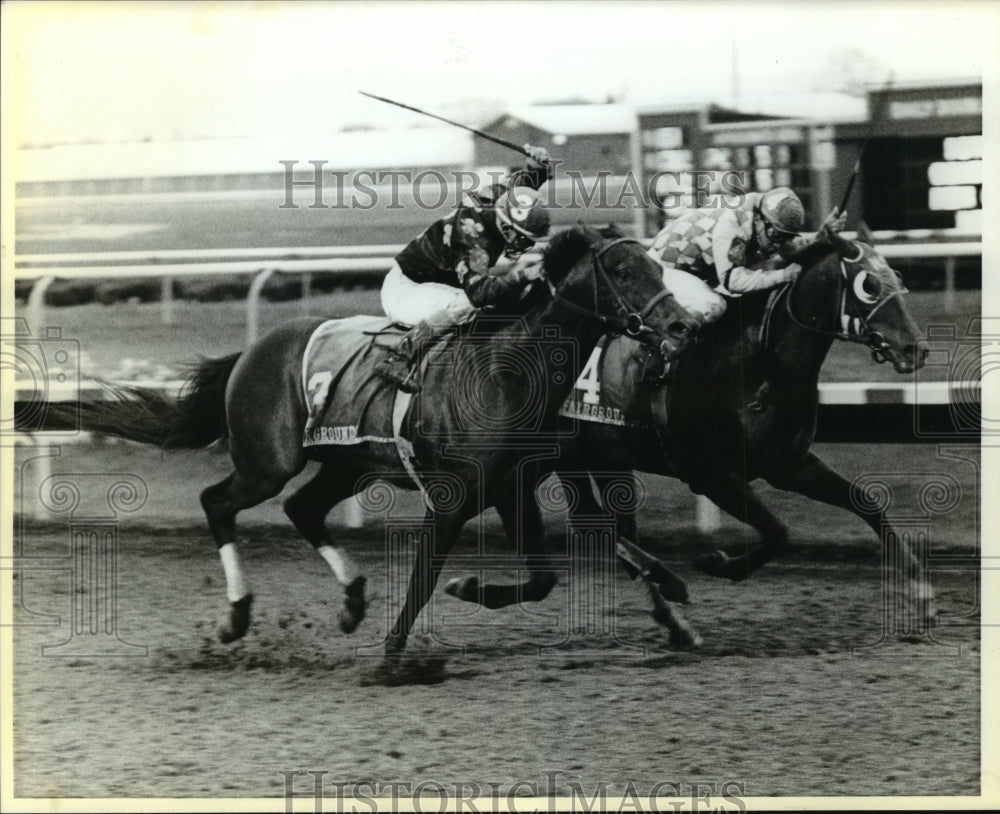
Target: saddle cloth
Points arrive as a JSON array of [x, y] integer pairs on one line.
[[348, 403], [606, 391], [612, 389]]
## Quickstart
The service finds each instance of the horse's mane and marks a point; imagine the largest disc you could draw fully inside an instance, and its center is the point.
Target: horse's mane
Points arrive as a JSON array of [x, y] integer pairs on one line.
[[565, 249], [811, 254]]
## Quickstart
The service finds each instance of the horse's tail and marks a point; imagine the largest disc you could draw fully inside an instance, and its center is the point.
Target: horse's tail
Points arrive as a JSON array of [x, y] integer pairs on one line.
[[194, 419]]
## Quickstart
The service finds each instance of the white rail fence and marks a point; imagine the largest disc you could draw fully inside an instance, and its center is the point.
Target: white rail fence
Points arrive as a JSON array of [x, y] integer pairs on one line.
[[263, 263]]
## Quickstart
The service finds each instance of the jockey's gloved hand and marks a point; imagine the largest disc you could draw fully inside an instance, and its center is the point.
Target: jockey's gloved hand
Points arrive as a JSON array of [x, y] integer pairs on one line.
[[792, 270], [530, 270], [538, 157]]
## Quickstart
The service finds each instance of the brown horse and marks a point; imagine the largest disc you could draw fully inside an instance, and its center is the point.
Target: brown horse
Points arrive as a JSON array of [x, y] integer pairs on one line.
[[710, 422], [478, 415]]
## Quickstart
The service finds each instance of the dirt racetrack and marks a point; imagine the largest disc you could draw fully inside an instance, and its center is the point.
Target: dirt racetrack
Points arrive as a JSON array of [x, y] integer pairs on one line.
[[774, 701]]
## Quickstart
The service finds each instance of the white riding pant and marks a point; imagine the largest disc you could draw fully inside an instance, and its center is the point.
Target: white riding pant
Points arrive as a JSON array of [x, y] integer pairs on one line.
[[694, 294], [409, 303]]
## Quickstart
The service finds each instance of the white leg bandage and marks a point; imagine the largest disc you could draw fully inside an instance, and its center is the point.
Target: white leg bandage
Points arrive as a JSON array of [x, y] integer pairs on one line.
[[343, 569], [236, 582], [694, 294]]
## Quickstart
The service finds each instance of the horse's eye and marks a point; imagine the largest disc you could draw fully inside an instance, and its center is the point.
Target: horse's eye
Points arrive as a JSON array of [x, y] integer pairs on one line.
[[621, 272], [867, 287]]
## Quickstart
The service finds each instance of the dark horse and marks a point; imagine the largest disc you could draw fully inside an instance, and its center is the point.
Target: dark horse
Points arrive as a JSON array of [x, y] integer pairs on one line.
[[462, 436], [741, 404]]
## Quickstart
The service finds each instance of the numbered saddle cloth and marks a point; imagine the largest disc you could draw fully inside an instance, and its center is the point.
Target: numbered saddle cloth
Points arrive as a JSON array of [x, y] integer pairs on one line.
[[607, 391], [348, 403]]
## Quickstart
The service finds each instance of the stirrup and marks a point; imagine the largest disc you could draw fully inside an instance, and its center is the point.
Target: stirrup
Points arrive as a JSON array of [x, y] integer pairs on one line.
[[761, 398], [400, 371], [409, 384]]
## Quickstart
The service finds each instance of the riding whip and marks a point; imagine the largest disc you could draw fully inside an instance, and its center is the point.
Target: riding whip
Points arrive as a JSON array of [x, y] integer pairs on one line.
[[496, 139], [864, 146]]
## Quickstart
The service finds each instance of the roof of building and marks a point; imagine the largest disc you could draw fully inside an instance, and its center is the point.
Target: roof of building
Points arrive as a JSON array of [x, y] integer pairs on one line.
[[575, 120], [915, 84], [819, 105]]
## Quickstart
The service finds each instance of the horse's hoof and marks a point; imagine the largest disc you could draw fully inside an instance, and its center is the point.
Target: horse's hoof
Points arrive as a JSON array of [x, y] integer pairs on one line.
[[239, 620], [464, 588], [684, 638], [682, 635], [395, 646], [354, 606], [713, 563]]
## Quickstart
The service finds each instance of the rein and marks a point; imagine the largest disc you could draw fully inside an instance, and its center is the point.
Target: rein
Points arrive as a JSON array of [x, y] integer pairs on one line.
[[853, 329], [628, 321]]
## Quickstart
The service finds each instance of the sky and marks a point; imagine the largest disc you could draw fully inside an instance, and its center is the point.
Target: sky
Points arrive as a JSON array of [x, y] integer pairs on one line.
[[113, 72]]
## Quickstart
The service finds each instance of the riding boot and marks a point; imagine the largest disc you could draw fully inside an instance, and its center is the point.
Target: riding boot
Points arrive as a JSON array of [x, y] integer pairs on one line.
[[402, 363]]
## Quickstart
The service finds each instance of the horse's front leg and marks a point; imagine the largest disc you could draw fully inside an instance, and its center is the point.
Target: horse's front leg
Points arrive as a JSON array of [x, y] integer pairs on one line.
[[432, 551], [522, 522], [734, 495], [814, 479]]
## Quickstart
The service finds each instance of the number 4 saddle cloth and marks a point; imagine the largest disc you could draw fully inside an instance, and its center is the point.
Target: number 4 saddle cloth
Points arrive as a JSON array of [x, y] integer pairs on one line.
[[623, 383], [348, 402], [616, 385]]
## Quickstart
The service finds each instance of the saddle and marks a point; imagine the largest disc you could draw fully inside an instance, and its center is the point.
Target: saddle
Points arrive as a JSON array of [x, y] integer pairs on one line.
[[348, 403]]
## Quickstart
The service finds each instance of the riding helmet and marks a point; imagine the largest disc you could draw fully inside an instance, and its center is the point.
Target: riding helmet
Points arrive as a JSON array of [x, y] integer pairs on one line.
[[783, 210], [522, 211]]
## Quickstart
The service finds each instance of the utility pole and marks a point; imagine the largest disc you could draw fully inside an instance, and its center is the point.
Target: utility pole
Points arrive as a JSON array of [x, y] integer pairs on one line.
[[734, 68]]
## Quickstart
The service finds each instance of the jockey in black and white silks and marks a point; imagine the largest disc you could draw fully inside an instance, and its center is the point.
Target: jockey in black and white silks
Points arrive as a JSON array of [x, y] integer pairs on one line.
[[442, 276]]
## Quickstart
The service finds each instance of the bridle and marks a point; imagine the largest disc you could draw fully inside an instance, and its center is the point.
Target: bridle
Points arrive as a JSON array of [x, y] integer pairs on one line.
[[852, 329], [628, 321]]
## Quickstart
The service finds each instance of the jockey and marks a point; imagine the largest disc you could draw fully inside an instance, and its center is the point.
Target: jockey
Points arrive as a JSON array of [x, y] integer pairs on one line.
[[729, 252], [442, 276], [736, 251]]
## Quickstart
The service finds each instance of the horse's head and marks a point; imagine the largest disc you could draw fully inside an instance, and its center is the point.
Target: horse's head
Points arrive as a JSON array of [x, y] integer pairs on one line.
[[870, 304], [614, 282]]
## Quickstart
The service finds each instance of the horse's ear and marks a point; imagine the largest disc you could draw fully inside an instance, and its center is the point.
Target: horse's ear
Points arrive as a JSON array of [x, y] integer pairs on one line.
[[865, 234]]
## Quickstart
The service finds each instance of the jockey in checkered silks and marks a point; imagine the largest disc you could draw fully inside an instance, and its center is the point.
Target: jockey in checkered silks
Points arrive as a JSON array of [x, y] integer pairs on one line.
[[442, 276], [733, 251]]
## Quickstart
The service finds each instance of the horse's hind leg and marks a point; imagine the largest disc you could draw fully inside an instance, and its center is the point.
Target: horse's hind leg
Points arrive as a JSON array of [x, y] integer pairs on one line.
[[307, 509], [736, 497], [522, 522], [221, 503]]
